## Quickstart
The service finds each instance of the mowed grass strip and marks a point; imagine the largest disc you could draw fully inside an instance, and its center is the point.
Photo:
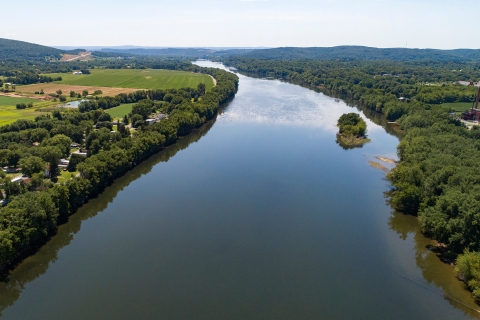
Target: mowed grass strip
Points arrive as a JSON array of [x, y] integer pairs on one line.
[[137, 78], [458, 106], [120, 111], [13, 101]]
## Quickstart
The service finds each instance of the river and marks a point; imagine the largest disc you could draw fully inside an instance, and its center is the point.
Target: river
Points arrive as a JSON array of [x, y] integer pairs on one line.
[[260, 214]]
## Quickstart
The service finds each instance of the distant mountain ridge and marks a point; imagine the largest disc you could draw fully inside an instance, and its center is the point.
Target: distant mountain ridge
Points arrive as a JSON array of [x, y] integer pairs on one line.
[[18, 50], [363, 53], [181, 52]]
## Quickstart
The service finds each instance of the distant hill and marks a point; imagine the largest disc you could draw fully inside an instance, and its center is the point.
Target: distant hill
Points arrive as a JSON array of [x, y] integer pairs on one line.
[[15, 50], [363, 53], [178, 52], [183, 52]]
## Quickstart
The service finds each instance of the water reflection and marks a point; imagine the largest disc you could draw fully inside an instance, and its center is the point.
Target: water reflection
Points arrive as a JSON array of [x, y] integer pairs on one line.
[[374, 117], [437, 276], [37, 264], [256, 221], [345, 146]]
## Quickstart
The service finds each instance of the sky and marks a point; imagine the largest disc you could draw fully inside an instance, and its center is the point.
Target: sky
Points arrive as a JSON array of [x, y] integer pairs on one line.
[[441, 24]]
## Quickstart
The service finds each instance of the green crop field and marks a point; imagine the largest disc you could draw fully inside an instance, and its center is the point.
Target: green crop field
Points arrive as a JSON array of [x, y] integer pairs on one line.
[[121, 110], [9, 114], [12, 101], [137, 78]]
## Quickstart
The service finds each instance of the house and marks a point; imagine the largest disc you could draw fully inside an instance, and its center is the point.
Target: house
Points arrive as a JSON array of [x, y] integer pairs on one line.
[[78, 72], [17, 179], [75, 145], [46, 172], [160, 116], [11, 170], [150, 121], [83, 154], [465, 83], [63, 162]]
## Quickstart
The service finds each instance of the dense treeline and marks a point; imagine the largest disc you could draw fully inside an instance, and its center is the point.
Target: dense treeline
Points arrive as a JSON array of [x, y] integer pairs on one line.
[[29, 78], [364, 53], [437, 177], [35, 209], [172, 96]]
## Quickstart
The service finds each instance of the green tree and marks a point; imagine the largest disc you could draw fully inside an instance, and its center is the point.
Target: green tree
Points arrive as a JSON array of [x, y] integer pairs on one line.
[[32, 165], [14, 157], [60, 141], [52, 155]]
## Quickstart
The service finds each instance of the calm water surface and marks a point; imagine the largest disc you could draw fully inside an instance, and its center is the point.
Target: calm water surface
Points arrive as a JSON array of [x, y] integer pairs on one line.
[[263, 216]]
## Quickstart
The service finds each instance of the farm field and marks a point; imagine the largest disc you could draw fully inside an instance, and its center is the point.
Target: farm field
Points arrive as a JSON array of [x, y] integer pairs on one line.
[[52, 87], [137, 78], [9, 114], [121, 110], [12, 101]]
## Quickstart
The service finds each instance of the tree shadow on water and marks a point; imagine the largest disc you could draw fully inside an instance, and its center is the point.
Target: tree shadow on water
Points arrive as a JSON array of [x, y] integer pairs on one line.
[[435, 270], [37, 264]]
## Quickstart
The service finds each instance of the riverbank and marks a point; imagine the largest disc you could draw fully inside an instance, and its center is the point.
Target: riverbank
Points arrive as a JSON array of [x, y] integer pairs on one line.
[[96, 173], [265, 216], [423, 119]]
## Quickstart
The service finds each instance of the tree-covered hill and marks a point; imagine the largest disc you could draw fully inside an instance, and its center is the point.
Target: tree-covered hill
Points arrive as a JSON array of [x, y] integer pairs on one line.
[[363, 53], [19, 50], [14, 50]]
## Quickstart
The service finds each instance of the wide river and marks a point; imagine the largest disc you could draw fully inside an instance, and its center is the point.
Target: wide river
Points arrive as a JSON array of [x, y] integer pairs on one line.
[[260, 214]]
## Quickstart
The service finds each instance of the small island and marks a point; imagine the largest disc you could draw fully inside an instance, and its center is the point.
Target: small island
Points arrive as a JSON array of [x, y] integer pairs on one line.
[[352, 129]]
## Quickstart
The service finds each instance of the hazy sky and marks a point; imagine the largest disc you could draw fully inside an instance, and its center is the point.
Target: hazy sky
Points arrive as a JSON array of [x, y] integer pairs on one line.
[[440, 24]]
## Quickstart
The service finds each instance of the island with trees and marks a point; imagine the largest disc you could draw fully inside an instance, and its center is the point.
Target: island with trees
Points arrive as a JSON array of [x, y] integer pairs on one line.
[[352, 129], [437, 178]]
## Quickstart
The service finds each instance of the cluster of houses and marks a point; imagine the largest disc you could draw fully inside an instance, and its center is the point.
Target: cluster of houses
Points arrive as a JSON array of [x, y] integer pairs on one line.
[[64, 163], [158, 117]]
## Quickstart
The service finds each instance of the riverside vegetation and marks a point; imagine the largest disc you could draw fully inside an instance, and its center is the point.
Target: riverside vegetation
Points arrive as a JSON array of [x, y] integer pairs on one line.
[[36, 208], [437, 177]]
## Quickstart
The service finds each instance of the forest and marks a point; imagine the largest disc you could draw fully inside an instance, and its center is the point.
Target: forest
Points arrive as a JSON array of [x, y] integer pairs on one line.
[[436, 178], [15, 51], [36, 205], [346, 53]]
